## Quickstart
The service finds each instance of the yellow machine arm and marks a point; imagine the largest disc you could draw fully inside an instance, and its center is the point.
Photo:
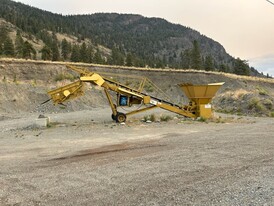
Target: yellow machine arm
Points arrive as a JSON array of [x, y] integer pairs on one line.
[[127, 96]]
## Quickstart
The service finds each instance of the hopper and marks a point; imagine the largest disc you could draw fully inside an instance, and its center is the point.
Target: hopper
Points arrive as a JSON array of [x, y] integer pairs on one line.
[[201, 95]]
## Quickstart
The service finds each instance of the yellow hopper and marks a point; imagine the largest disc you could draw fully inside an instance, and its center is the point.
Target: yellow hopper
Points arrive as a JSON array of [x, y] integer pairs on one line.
[[201, 96]]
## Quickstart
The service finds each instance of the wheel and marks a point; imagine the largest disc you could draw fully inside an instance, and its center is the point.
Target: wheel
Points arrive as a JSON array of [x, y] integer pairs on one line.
[[120, 117], [113, 117]]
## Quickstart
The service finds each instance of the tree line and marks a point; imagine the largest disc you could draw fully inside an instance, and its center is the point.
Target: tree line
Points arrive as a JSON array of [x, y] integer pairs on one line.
[[132, 40], [53, 50]]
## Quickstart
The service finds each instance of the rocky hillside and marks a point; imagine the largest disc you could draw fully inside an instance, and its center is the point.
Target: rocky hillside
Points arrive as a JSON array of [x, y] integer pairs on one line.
[[24, 85]]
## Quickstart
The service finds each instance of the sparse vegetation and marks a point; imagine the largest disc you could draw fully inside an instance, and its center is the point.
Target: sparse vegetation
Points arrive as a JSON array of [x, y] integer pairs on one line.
[[219, 120], [151, 118], [61, 77], [165, 118], [201, 119], [262, 91], [34, 83], [14, 78], [52, 124], [268, 103], [232, 99], [256, 104]]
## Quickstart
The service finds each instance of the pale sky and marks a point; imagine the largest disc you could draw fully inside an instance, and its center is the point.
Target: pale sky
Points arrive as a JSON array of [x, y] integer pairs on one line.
[[244, 27]]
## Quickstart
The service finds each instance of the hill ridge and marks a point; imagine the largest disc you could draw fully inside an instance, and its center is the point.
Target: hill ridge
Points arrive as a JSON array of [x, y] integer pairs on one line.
[[117, 39]]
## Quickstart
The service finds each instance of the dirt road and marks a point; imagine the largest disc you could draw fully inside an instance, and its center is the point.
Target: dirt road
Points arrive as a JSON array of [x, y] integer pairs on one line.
[[85, 159]]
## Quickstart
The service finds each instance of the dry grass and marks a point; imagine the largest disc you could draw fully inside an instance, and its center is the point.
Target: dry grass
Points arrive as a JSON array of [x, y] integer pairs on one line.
[[236, 95]]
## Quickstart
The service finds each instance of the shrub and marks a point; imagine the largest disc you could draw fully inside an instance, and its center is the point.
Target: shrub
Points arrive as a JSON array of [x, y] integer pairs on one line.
[[268, 103], [262, 91], [151, 118], [165, 118], [201, 119], [256, 104], [15, 78], [61, 77]]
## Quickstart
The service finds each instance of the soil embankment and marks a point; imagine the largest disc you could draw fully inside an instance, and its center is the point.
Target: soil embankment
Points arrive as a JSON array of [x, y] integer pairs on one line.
[[24, 85]]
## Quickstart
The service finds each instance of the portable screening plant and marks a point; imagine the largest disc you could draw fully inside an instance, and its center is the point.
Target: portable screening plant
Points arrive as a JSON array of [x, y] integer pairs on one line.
[[200, 96]]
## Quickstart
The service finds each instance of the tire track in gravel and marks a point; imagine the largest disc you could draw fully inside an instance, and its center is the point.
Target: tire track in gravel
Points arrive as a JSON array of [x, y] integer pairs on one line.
[[110, 153]]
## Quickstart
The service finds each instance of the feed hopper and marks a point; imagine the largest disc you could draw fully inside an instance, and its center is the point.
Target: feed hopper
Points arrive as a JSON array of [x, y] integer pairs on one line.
[[200, 97]]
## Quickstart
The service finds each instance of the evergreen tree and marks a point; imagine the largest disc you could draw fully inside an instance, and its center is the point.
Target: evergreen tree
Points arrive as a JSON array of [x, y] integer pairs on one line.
[[186, 59], [45, 37], [84, 53], [129, 60], [46, 53], [159, 63], [117, 58], [98, 58], [222, 68], [241, 67], [28, 50], [19, 45], [8, 47], [3, 34], [196, 60], [55, 51], [75, 54], [1, 48], [209, 66], [89, 54], [65, 49]]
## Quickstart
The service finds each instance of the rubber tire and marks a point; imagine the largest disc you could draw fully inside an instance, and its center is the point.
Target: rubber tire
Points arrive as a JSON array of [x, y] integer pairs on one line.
[[113, 117], [120, 117]]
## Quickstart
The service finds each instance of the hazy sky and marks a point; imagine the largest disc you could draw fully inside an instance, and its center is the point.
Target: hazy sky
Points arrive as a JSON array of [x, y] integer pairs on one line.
[[244, 27]]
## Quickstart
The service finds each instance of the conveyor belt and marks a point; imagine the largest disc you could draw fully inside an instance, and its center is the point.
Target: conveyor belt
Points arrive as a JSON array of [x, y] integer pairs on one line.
[[144, 94]]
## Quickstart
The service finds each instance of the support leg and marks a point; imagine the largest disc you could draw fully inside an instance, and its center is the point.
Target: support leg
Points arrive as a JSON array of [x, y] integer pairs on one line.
[[112, 105]]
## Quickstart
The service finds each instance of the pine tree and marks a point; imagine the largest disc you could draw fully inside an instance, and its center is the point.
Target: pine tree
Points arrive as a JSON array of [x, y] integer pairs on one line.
[[8, 47], [46, 53], [209, 66], [117, 58], [19, 45], [83, 53], [241, 67], [65, 46], [196, 60], [98, 58], [89, 54], [75, 54], [3, 33], [55, 51], [129, 60], [28, 50], [186, 59], [1, 48]]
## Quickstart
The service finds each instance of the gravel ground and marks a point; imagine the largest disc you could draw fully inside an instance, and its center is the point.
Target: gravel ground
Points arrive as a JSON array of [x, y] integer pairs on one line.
[[86, 159]]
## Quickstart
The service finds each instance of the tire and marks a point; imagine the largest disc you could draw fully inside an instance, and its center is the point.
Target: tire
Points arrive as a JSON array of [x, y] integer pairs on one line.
[[120, 117], [113, 117]]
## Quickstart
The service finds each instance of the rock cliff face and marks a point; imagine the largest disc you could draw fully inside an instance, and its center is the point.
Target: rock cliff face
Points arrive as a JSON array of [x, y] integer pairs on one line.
[[24, 86]]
